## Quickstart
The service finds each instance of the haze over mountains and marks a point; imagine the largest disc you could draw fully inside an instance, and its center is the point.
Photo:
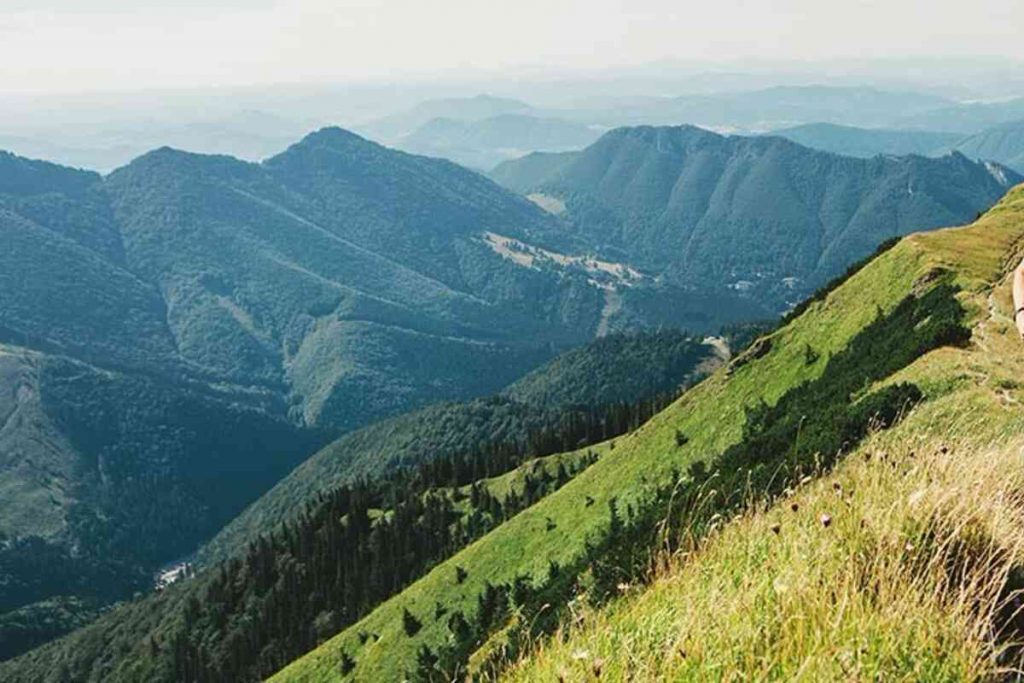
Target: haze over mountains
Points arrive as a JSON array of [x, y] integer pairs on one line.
[[105, 133]]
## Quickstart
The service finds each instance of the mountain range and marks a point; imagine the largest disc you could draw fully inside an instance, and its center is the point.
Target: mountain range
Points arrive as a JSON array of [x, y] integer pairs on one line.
[[760, 215], [179, 335]]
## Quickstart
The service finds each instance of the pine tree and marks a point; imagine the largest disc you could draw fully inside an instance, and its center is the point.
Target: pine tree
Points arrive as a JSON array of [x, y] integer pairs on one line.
[[410, 623], [347, 663]]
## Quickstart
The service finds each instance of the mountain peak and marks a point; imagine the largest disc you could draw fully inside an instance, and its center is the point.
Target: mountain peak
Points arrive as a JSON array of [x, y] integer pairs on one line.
[[329, 138]]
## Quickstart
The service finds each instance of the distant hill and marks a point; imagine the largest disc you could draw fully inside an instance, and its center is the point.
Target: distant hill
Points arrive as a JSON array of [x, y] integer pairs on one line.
[[758, 215], [966, 118], [247, 134], [1003, 143], [484, 143], [393, 127], [531, 171], [868, 142]]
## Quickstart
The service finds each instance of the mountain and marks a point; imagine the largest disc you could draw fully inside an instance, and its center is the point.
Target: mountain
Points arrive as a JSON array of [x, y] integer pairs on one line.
[[531, 170], [1003, 143], [869, 142], [759, 215], [966, 118], [177, 336], [871, 375], [393, 127], [487, 142]]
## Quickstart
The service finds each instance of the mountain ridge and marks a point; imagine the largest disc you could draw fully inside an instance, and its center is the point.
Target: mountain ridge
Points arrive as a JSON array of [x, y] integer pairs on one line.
[[677, 192]]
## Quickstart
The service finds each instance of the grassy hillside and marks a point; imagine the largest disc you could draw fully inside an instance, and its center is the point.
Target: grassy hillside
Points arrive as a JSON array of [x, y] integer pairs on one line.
[[777, 595], [916, 325]]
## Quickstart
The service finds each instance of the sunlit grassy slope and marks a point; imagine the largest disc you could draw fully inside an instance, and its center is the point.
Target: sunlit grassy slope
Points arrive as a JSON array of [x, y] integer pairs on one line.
[[971, 395]]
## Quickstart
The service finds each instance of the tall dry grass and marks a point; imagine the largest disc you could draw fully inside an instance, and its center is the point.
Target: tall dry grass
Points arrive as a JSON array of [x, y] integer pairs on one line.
[[901, 565]]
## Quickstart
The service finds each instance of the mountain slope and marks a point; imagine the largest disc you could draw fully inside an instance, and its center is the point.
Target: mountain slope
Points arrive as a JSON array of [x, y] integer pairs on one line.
[[775, 595], [758, 215], [897, 333], [531, 171], [1004, 143], [618, 369], [869, 142], [967, 118]]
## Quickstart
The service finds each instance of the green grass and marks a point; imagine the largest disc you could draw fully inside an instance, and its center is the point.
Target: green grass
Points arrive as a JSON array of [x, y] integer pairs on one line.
[[867, 598], [713, 416]]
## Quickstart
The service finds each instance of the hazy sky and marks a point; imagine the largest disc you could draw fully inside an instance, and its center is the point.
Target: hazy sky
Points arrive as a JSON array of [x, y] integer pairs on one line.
[[73, 45]]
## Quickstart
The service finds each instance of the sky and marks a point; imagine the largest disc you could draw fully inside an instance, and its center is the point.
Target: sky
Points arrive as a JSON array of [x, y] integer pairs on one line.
[[55, 46]]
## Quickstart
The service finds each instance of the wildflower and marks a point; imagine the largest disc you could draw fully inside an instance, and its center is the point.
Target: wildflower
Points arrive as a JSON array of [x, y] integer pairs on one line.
[[580, 655]]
